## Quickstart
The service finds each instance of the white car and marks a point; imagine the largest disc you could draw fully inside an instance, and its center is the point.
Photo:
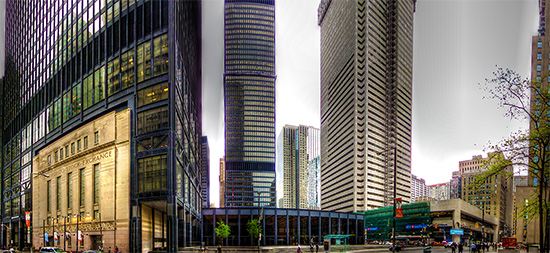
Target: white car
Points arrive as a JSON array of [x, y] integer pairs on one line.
[[448, 244]]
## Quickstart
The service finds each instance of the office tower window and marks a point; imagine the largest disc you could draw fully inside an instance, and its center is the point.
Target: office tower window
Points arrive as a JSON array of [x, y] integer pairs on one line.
[[152, 173], [160, 45], [61, 153], [152, 120], [152, 94], [99, 82], [67, 150], [72, 148], [67, 112], [113, 78], [78, 145], [96, 183], [127, 69], [85, 142], [96, 137], [56, 156], [76, 99], [49, 193], [539, 44], [539, 67], [144, 61], [58, 193], [539, 56], [70, 191], [82, 187]]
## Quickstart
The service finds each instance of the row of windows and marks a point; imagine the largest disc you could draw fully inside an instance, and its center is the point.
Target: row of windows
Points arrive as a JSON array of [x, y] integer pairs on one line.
[[250, 93], [251, 123], [249, 149], [246, 17], [249, 8], [249, 43], [239, 158], [64, 152], [242, 25], [249, 21], [251, 68], [229, 57], [249, 134], [250, 51], [250, 108], [69, 190], [249, 138]]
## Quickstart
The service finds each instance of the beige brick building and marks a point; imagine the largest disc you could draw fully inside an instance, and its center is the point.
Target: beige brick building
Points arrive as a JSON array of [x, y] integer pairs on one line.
[[84, 176]]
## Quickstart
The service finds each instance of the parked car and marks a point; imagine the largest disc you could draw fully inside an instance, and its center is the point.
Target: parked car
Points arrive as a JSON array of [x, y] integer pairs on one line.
[[52, 249]]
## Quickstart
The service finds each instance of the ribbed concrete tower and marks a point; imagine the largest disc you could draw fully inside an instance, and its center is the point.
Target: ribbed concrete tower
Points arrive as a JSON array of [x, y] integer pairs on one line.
[[366, 102]]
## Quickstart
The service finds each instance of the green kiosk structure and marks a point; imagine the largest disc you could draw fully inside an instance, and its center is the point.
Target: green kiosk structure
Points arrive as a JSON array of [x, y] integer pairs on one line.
[[415, 224]]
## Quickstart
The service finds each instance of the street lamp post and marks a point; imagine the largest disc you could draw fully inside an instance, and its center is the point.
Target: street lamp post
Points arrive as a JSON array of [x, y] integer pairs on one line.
[[44, 231], [77, 216], [100, 231], [53, 231], [65, 232], [259, 218], [394, 189]]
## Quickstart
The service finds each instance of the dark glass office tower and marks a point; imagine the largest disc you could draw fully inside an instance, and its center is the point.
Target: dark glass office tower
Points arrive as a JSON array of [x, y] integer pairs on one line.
[[249, 89], [102, 125]]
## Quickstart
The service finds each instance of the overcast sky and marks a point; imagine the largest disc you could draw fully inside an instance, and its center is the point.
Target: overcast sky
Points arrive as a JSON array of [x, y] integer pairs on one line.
[[457, 44]]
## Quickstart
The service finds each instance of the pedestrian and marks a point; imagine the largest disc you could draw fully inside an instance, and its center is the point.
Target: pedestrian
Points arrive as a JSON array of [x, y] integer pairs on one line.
[[299, 249], [453, 247], [116, 249], [317, 247], [311, 247], [219, 248], [473, 247], [460, 247]]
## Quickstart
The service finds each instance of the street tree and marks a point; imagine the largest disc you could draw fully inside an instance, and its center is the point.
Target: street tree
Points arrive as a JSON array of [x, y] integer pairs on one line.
[[222, 230], [525, 150], [253, 227]]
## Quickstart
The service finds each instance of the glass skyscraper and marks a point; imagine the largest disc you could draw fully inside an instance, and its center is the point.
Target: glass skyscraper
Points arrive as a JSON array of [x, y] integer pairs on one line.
[[298, 153], [249, 92], [102, 125]]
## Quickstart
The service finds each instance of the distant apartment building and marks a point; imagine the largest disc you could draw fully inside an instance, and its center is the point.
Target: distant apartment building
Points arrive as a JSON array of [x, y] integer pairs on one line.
[[439, 191], [222, 182], [205, 173], [540, 48], [455, 186], [418, 188], [366, 98], [298, 148], [495, 195]]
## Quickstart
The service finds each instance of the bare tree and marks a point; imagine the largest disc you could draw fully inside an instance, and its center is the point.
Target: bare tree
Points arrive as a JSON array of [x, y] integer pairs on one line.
[[525, 150]]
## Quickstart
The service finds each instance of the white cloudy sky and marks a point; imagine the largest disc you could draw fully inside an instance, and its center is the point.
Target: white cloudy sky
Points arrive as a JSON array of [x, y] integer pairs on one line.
[[456, 46]]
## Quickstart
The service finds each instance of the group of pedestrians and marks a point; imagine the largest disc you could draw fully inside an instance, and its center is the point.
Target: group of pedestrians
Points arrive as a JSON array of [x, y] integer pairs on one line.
[[479, 247], [455, 246]]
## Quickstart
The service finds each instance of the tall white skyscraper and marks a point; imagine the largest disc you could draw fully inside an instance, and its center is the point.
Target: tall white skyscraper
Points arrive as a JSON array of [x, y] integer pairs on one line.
[[366, 101]]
